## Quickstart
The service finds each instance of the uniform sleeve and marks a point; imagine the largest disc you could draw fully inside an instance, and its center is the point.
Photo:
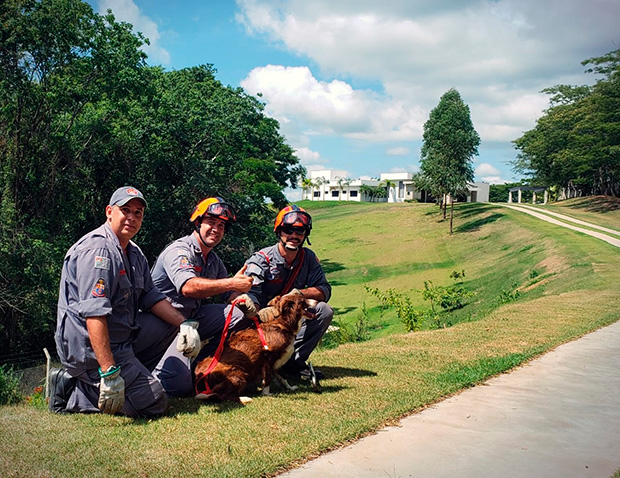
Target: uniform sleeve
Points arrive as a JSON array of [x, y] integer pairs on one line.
[[258, 267], [316, 275], [179, 266], [221, 272], [94, 280]]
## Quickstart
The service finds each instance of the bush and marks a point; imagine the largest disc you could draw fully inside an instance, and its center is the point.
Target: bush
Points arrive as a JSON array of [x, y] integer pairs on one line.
[[9, 386]]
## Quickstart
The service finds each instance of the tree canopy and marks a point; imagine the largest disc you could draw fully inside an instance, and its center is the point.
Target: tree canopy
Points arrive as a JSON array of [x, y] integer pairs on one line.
[[82, 113], [449, 144], [576, 143]]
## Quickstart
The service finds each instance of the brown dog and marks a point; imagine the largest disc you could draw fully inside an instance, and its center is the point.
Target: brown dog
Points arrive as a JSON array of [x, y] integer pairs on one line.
[[244, 361]]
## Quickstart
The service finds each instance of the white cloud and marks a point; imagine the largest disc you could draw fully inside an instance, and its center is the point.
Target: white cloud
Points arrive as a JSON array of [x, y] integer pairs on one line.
[[398, 151], [498, 54], [489, 173], [294, 96], [128, 11]]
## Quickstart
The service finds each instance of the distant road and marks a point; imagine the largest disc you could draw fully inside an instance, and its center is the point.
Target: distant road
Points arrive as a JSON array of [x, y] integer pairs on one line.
[[547, 216]]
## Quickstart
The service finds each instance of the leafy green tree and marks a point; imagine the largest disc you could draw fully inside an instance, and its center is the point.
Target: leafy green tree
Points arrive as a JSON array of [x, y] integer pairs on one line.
[[81, 113], [576, 143], [449, 144]]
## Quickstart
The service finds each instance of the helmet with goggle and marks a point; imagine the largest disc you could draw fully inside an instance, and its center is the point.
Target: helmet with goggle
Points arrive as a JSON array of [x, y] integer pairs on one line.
[[293, 216], [215, 207]]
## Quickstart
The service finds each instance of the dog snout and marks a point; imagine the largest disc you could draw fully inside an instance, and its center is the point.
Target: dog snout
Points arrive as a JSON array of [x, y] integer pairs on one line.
[[310, 309]]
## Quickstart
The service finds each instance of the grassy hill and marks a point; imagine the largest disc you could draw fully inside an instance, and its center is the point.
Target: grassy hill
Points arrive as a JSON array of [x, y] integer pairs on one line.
[[567, 287]]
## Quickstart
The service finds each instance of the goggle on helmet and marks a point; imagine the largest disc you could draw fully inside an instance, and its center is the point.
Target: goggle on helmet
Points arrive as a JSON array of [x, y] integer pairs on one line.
[[293, 216], [215, 207]]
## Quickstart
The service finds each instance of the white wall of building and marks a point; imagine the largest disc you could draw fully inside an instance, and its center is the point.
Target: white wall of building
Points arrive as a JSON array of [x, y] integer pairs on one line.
[[333, 185]]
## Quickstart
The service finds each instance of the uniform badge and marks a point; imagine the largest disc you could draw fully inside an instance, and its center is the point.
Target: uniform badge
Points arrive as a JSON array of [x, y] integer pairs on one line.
[[102, 263], [99, 288], [185, 263]]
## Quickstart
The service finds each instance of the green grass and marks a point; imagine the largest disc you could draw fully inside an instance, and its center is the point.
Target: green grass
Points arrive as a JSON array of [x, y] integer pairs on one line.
[[569, 287]]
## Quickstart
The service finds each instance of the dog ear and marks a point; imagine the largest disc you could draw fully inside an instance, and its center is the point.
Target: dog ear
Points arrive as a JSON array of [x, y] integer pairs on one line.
[[275, 301]]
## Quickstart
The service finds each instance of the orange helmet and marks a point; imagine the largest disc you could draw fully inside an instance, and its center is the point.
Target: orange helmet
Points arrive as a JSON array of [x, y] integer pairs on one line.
[[293, 216], [215, 207]]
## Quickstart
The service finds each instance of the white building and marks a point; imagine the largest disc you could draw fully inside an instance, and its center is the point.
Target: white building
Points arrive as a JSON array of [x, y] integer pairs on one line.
[[333, 185]]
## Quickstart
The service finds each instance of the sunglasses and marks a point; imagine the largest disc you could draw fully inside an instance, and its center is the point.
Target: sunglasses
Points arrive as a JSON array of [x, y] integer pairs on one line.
[[290, 230]]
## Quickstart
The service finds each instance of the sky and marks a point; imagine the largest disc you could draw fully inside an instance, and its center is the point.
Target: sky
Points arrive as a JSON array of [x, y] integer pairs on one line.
[[352, 82]]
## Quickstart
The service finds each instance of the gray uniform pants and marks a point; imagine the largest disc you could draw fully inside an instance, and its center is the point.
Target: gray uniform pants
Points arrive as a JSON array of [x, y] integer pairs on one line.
[[144, 394]]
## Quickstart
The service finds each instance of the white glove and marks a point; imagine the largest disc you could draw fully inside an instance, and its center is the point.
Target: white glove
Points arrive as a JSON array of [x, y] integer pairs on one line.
[[111, 390], [246, 305], [268, 314], [188, 342], [294, 292]]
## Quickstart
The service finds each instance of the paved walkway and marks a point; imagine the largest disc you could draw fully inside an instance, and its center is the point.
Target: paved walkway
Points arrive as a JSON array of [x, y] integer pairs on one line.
[[557, 416], [565, 220]]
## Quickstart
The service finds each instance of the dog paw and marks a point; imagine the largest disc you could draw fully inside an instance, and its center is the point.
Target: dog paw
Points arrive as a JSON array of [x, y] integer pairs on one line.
[[245, 400], [205, 396]]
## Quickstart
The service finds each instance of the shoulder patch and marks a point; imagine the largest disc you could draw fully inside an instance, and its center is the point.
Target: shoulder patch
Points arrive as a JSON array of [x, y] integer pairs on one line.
[[102, 263], [99, 288], [185, 263]]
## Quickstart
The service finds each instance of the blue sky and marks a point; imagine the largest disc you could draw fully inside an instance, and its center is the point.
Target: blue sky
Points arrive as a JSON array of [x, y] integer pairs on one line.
[[353, 81]]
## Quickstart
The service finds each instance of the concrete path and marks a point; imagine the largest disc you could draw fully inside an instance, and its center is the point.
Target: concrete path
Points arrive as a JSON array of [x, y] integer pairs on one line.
[[558, 416], [545, 216]]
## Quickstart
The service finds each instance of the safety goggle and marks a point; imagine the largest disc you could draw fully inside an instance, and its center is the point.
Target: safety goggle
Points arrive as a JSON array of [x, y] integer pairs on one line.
[[222, 210], [296, 218]]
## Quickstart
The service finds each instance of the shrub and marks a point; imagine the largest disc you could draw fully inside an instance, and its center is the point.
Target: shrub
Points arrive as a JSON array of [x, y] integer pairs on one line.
[[9, 386]]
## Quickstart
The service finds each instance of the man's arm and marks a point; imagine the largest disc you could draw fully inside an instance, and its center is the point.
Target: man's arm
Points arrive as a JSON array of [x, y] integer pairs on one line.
[[201, 287], [313, 293], [164, 310], [100, 340]]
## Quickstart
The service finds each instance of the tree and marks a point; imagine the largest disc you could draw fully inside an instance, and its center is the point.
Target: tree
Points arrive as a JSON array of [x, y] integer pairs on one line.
[[449, 144], [575, 145], [81, 113], [308, 185], [389, 186], [319, 182], [342, 183]]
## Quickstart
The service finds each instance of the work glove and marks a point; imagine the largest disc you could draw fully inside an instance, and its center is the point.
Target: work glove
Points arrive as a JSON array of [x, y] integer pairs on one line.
[[247, 306], [268, 314], [294, 292], [188, 342], [111, 390]]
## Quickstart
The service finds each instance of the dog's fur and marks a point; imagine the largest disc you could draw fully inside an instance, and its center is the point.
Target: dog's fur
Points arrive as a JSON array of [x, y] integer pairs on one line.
[[244, 362]]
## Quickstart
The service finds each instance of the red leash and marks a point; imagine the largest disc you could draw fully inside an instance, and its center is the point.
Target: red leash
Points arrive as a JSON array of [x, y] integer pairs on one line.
[[220, 349]]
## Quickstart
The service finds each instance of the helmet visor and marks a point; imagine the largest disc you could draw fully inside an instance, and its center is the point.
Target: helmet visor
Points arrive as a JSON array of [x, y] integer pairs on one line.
[[296, 218], [222, 210]]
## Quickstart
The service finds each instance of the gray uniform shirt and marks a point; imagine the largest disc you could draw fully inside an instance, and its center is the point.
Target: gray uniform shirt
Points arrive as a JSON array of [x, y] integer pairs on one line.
[[181, 261], [100, 279], [271, 272]]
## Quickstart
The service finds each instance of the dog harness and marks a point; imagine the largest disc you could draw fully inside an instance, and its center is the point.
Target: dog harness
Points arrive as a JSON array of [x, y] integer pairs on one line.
[[202, 379]]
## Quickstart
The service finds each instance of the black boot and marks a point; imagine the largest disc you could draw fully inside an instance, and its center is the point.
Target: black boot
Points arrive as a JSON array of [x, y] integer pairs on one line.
[[61, 385]]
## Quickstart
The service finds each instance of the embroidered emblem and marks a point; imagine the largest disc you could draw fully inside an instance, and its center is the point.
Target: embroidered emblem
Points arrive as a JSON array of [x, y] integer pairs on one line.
[[102, 263], [132, 192], [99, 289], [185, 263]]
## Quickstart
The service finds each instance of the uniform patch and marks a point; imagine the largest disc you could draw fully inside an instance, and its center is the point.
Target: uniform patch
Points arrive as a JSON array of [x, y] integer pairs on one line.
[[185, 263], [102, 263], [99, 288]]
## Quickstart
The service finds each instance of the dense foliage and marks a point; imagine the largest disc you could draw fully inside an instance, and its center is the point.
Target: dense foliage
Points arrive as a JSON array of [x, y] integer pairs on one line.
[[575, 145], [82, 113]]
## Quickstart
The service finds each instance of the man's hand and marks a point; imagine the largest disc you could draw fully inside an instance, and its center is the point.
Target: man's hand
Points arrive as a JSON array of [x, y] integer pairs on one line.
[[294, 292], [188, 342], [111, 390], [268, 314], [241, 282], [246, 305]]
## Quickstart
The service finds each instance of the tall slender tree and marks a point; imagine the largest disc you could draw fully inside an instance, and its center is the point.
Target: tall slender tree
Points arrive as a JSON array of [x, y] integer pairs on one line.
[[450, 143]]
